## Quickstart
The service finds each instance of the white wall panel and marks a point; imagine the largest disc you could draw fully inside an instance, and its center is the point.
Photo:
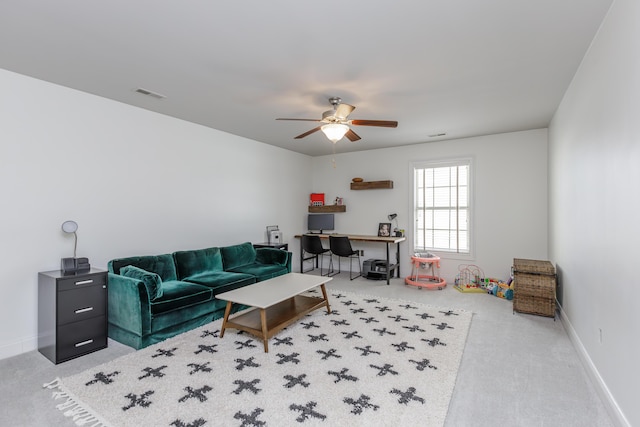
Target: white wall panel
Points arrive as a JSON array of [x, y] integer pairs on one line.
[[136, 182], [510, 181], [594, 151]]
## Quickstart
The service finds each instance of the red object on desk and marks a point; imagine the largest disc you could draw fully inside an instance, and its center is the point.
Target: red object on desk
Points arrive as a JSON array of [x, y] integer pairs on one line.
[[317, 199]]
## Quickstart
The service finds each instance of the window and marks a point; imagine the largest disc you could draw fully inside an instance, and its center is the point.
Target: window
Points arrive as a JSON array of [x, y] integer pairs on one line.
[[442, 206]]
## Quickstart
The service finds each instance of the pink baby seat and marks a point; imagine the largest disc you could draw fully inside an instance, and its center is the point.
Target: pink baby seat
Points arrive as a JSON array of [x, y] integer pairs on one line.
[[425, 272]]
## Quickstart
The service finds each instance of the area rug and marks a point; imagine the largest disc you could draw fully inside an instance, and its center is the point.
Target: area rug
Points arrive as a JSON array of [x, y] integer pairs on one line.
[[370, 362]]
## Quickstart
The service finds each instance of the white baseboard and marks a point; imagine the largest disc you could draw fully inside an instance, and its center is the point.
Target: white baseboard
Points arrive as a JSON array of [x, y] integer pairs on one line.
[[601, 388], [18, 347]]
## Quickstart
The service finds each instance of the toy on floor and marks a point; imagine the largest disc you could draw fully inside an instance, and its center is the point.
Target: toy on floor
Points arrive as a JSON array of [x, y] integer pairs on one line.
[[470, 279], [499, 288], [427, 263]]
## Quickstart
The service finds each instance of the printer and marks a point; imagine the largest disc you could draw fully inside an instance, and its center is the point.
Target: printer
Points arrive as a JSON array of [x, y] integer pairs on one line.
[[374, 269]]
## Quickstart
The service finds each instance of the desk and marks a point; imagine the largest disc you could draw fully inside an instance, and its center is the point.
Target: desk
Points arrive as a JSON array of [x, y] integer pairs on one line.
[[362, 238]]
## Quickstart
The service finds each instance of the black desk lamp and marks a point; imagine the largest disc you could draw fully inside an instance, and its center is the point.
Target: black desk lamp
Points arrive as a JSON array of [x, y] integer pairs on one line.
[[391, 217]]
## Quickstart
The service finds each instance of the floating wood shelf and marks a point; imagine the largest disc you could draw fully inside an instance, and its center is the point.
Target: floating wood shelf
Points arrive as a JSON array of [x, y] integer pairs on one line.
[[327, 208], [371, 185]]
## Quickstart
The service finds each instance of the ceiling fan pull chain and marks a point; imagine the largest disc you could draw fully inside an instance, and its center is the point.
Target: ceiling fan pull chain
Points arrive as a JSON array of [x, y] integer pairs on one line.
[[333, 158]]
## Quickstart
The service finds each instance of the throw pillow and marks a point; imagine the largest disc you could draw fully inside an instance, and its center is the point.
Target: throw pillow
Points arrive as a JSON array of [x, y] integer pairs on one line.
[[151, 280]]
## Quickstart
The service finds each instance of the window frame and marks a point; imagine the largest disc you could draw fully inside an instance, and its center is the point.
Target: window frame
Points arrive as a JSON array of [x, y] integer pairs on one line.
[[448, 162]]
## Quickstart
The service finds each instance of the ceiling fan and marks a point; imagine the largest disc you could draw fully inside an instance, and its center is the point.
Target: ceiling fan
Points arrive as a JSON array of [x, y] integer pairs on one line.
[[336, 124]]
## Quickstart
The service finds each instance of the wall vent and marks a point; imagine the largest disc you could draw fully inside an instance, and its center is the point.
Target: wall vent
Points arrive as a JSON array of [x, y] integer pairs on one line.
[[150, 93]]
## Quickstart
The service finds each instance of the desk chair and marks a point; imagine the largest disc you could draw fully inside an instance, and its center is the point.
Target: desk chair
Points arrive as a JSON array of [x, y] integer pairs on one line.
[[341, 247], [313, 245]]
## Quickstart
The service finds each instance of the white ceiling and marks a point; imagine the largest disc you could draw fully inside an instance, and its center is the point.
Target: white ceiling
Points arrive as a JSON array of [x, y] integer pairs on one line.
[[460, 67]]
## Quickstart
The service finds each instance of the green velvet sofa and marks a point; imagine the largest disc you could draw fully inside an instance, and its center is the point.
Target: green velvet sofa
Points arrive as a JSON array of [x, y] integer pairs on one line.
[[155, 297]]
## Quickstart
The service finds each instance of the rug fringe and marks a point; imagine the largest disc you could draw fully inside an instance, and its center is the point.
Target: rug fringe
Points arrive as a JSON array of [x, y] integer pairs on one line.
[[73, 407]]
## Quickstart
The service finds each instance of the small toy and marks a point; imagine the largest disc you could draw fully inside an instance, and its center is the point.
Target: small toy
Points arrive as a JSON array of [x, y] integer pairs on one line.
[[499, 288], [470, 279]]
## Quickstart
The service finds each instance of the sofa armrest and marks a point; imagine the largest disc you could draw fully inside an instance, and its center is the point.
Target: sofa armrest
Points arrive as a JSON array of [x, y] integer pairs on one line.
[[273, 256], [129, 306]]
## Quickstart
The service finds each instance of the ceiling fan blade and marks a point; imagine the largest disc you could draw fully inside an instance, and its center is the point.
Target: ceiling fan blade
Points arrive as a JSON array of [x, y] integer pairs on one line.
[[380, 123], [302, 135], [302, 120], [352, 135], [343, 111]]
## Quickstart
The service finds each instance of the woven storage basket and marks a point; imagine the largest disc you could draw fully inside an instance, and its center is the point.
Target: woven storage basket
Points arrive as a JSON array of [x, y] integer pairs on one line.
[[534, 305], [533, 266], [534, 289], [535, 285]]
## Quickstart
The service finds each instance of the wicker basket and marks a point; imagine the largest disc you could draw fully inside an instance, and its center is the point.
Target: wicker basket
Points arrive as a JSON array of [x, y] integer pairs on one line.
[[534, 305], [533, 266], [542, 286], [534, 288]]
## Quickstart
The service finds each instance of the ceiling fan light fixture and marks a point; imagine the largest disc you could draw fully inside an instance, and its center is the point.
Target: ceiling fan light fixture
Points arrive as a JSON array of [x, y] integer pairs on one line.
[[335, 131]]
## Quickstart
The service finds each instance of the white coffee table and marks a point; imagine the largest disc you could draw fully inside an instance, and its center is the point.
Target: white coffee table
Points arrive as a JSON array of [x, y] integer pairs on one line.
[[277, 304]]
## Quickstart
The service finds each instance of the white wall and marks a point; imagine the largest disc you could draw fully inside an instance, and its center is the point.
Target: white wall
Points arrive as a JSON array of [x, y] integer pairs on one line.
[[136, 182], [594, 152], [510, 196]]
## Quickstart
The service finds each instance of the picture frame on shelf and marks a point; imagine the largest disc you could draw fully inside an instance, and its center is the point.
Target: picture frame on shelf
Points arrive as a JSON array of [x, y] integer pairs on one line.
[[384, 229]]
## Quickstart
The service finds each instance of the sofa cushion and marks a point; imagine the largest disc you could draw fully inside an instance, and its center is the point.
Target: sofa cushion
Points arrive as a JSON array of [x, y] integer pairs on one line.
[[180, 295], [222, 281], [163, 265], [272, 256], [262, 271], [151, 280], [237, 255], [191, 263]]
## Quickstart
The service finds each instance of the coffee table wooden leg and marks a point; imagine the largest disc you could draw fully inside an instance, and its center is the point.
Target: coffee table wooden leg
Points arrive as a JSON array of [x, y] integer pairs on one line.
[[263, 321], [324, 294], [225, 318]]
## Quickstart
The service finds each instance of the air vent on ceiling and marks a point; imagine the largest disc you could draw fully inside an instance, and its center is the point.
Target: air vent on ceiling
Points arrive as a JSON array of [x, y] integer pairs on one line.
[[149, 93]]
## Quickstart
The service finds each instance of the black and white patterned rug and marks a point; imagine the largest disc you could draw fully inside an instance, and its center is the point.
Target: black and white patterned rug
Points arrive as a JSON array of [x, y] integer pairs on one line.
[[371, 362]]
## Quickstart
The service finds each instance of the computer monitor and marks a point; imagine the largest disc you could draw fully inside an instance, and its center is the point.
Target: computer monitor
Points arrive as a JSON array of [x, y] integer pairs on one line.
[[320, 222]]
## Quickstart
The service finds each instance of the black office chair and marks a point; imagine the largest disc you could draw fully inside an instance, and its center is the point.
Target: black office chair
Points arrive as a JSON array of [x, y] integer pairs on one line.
[[341, 247], [313, 245]]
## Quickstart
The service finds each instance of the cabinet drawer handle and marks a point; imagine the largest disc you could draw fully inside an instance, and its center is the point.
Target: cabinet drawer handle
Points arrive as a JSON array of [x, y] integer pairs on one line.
[[84, 282], [80, 344], [83, 310]]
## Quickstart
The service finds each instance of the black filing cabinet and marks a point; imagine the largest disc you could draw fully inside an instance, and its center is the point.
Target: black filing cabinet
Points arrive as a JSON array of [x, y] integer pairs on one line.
[[72, 313]]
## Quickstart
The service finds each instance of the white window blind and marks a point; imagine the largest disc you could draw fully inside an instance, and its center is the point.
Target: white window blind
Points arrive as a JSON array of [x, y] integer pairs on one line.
[[442, 206]]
